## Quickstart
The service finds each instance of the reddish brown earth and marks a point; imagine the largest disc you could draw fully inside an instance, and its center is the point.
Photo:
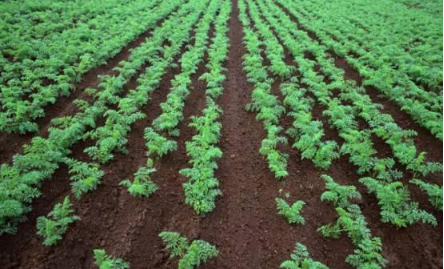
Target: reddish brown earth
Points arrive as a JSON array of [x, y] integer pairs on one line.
[[244, 226]]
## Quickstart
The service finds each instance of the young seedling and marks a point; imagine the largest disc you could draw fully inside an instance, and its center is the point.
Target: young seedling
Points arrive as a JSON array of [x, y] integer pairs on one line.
[[191, 255], [293, 212], [53, 227], [300, 259], [142, 186], [104, 261], [85, 176]]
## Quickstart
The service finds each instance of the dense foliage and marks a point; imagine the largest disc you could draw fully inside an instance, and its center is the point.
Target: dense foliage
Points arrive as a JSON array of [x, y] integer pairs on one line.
[[319, 73], [191, 255]]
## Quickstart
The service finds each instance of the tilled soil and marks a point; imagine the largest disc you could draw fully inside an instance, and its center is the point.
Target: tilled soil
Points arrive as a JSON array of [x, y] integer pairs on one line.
[[244, 226]]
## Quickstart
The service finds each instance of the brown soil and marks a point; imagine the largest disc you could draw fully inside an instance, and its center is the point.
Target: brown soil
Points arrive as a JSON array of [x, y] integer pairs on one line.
[[245, 225]]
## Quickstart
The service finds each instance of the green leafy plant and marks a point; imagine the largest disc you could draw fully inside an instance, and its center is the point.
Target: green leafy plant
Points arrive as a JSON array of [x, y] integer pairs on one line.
[[85, 176], [53, 227], [104, 261], [277, 161], [142, 186], [434, 192], [420, 166], [351, 221], [191, 255], [339, 195], [201, 189], [396, 207], [113, 135], [300, 259], [158, 145], [368, 254], [293, 212], [175, 243]]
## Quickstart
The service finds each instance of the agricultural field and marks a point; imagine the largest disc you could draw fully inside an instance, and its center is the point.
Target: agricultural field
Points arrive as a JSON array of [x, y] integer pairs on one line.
[[221, 134]]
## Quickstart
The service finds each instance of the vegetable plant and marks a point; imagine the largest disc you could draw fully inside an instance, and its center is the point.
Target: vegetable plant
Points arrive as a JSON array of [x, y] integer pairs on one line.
[[53, 227], [191, 255], [300, 259], [105, 261], [141, 186], [291, 212]]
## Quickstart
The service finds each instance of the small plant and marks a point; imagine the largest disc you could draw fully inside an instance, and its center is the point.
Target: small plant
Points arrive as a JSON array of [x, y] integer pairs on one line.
[[158, 145], [85, 176], [339, 195], [191, 255], [351, 220], [142, 186], [175, 243], [293, 212], [300, 259], [368, 254], [53, 229], [277, 161], [104, 261]]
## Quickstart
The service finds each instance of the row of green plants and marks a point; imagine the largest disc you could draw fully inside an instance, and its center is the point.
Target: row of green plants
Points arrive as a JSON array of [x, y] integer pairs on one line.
[[21, 180], [172, 108], [393, 197], [112, 136], [429, 8], [400, 141], [383, 125], [397, 38], [158, 144], [374, 42], [307, 133], [201, 189], [423, 106], [310, 146], [357, 144], [285, 209], [264, 103], [53, 65], [300, 259], [351, 221]]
